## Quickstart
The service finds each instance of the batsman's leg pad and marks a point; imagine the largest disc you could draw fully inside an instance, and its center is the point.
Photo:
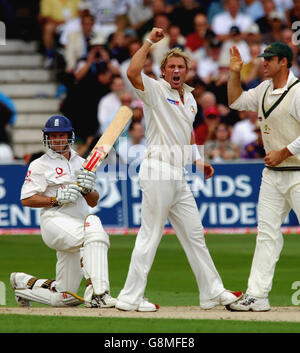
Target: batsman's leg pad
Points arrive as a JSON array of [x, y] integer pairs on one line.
[[49, 297], [94, 257]]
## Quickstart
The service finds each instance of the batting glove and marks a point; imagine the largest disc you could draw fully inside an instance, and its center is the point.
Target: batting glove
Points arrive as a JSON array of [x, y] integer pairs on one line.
[[67, 193], [86, 180]]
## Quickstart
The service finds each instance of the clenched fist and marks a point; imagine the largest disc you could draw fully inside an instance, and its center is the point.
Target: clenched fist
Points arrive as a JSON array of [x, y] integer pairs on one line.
[[156, 34]]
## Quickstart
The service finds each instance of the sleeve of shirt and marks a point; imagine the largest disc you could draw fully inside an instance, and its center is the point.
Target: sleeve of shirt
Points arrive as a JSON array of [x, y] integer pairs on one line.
[[294, 147], [248, 101], [151, 87], [45, 8], [35, 182]]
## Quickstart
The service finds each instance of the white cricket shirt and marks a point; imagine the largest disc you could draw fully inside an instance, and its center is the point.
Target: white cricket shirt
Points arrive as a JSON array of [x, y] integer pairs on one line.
[[250, 100], [169, 122], [46, 174]]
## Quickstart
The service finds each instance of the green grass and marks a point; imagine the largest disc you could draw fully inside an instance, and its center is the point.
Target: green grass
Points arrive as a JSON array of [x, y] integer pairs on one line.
[[170, 282], [45, 324]]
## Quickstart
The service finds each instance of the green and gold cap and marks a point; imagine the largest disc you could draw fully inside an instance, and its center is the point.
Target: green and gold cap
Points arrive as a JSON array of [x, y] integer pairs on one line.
[[278, 49]]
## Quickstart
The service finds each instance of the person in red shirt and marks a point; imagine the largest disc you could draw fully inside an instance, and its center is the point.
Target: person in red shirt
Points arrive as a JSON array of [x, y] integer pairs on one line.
[[195, 40], [204, 131]]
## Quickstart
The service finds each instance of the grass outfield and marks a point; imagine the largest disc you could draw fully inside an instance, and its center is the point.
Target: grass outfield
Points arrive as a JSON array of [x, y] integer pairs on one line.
[[170, 282]]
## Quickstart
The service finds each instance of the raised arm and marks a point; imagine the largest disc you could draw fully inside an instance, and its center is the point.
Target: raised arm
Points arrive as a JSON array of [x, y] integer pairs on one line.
[[234, 87], [138, 60]]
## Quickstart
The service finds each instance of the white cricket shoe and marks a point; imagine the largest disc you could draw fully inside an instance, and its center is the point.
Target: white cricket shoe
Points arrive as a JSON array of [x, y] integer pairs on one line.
[[101, 301], [20, 301], [250, 303], [225, 298], [144, 306]]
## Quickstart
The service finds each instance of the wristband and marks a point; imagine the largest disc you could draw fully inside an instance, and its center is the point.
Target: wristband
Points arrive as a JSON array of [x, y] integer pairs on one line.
[[53, 202], [195, 153], [149, 41]]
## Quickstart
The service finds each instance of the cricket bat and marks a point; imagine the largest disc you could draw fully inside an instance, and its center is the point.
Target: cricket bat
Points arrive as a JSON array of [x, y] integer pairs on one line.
[[108, 139]]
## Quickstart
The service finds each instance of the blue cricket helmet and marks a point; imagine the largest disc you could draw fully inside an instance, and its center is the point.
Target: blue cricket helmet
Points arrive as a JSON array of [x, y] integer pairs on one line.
[[58, 123]]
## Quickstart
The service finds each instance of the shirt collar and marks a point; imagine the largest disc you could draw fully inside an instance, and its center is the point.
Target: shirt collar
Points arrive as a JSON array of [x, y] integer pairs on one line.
[[290, 79], [54, 155], [185, 87]]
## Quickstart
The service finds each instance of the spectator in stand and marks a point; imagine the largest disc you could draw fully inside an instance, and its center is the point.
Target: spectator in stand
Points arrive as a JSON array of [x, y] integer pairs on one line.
[[196, 39], [106, 14], [78, 43], [117, 46], [54, 13], [74, 24], [139, 13], [264, 21], [252, 72], [232, 16], [252, 8], [287, 37], [235, 38], [97, 57], [133, 148], [110, 103], [243, 132], [219, 147], [205, 131], [208, 67], [183, 15], [150, 68], [158, 7], [204, 100], [276, 20], [6, 152], [9, 104], [133, 47], [254, 149], [293, 15], [253, 35]]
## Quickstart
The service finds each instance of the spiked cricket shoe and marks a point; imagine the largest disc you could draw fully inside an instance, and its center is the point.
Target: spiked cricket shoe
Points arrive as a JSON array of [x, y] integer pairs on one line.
[[144, 306], [250, 303], [225, 298]]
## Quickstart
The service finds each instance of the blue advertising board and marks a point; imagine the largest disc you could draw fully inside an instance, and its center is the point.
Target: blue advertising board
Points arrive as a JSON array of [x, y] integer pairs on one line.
[[227, 201]]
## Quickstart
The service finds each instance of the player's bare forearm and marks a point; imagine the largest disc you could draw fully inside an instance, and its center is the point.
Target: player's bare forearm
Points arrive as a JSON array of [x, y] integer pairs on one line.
[[273, 158], [92, 198], [139, 58], [234, 87], [37, 201]]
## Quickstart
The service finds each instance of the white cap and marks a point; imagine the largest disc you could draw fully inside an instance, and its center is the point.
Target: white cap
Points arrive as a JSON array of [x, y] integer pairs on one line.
[[84, 5], [253, 29], [98, 40], [276, 15]]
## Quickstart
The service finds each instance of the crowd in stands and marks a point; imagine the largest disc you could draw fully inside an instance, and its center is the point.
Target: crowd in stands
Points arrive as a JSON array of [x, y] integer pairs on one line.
[[89, 44]]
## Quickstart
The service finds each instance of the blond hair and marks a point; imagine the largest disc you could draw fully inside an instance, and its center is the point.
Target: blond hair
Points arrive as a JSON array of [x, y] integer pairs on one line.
[[178, 53]]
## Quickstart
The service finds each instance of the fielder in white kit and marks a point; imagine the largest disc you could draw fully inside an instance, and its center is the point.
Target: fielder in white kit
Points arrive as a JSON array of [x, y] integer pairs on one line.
[[277, 101], [169, 109], [57, 183]]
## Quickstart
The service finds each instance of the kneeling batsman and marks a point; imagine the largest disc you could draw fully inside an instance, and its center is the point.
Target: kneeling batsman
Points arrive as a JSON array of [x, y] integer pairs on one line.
[[93, 259]]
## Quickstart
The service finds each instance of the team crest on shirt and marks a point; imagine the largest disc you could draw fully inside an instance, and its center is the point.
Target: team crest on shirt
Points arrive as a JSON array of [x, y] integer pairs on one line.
[[266, 129], [192, 109], [172, 101]]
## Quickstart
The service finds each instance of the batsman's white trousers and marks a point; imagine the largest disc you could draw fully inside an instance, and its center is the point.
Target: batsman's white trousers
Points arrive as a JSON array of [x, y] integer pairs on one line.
[[65, 235], [172, 199], [279, 193]]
